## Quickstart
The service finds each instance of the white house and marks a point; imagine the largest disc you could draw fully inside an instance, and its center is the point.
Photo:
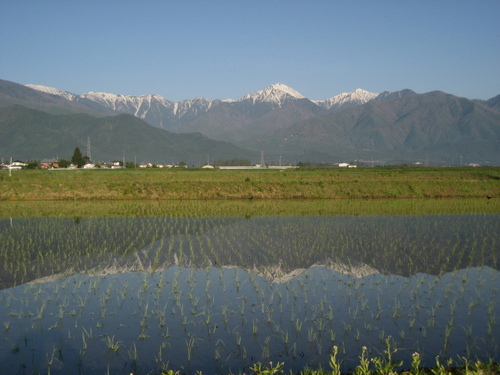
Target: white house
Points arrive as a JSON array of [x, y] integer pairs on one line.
[[16, 165]]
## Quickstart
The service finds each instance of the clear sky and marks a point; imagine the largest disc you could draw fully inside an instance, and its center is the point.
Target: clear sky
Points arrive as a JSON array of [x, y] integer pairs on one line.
[[226, 49]]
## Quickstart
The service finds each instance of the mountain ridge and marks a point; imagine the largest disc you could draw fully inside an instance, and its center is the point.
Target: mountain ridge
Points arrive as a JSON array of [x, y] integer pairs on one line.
[[392, 127], [30, 134], [436, 127], [347, 99], [277, 94], [227, 120]]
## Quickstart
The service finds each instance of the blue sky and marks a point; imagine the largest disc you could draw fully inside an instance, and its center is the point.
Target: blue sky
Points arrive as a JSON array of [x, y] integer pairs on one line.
[[226, 49]]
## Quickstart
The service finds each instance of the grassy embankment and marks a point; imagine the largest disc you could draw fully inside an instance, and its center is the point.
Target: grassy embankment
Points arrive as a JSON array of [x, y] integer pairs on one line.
[[161, 184]]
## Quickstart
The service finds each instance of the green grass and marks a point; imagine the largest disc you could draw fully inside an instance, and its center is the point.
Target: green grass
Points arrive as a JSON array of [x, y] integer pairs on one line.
[[177, 184], [247, 207]]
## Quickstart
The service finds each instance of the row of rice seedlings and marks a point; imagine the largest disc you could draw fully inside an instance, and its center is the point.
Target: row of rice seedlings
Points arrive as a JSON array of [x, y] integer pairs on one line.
[[306, 291], [34, 247], [266, 324]]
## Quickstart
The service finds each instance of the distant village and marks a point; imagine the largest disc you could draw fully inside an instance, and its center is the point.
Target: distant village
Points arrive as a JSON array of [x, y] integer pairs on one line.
[[62, 164], [57, 164], [80, 161]]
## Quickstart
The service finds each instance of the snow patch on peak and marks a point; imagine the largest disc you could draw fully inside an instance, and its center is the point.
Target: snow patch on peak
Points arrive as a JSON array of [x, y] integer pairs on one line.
[[286, 89], [276, 94], [347, 99], [52, 91], [198, 104]]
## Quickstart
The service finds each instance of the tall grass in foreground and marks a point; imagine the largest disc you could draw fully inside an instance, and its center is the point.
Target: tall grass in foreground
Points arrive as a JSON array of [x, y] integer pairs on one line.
[[380, 365]]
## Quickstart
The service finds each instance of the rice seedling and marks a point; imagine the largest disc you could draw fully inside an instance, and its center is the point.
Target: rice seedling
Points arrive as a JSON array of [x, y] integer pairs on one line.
[[265, 348], [190, 344], [143, 335], [272, 307], [112, 344]]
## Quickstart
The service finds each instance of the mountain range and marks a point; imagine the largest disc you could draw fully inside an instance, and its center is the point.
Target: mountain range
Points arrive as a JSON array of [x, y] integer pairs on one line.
[[390, 127]]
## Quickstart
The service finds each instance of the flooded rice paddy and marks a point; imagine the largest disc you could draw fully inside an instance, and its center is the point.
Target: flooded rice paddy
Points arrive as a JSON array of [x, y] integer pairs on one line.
[[217, 294]]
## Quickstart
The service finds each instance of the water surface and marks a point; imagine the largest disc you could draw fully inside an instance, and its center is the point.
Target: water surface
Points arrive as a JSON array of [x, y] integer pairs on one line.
[[218, 293]]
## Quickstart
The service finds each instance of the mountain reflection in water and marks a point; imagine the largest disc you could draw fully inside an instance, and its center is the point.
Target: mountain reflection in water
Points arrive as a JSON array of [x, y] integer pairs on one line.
[[33, 248], [219, 320], [218, 294]]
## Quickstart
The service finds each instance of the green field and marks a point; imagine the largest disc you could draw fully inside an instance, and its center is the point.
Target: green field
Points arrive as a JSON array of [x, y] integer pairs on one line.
[[174, 184], [250, 271]]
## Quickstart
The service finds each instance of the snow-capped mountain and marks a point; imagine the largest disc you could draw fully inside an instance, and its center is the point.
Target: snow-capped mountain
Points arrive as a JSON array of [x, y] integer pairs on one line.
[[277, 94], [194, 106], [280, 119], [204, 115], [142, 106], [53, 91], [157, 110], [347, 99], [136, 105]]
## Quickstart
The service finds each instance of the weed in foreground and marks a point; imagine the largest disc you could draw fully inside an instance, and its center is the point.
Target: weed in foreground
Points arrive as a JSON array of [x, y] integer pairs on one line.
[[385, 365]]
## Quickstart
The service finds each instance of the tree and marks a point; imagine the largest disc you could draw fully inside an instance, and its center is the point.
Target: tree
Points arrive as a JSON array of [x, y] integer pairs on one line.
[[78, 158], [63, 163], [33, 164]]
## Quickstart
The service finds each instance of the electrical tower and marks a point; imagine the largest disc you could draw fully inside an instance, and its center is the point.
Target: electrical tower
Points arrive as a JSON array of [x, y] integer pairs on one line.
[[262, 162]]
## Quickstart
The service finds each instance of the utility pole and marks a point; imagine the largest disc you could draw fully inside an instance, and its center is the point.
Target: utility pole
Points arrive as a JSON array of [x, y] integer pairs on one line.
[[89, 154]]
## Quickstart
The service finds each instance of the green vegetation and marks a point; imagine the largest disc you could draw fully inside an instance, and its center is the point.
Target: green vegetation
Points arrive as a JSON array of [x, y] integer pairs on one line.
[[246, 207], [381, 367], [151, 270], [78, 159], [182, 183]]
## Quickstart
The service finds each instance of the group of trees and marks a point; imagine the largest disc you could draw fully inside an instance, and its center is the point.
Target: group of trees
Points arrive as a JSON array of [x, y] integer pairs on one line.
[[77, 159]]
